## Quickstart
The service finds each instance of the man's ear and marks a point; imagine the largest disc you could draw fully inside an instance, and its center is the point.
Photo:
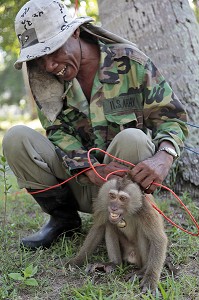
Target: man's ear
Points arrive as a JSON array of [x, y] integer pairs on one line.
[[76, 33]]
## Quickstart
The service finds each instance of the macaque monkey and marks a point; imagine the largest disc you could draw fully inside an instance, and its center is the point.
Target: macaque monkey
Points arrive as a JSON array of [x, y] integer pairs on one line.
[[132, 228]]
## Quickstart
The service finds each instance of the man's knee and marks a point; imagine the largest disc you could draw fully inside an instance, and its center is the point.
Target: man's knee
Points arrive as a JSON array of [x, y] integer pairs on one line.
[[13, 139], [132, 135], [132, 145]]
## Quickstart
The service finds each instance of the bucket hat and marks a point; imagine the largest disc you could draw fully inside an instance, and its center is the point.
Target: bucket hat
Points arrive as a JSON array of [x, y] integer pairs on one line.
[[42, 27]]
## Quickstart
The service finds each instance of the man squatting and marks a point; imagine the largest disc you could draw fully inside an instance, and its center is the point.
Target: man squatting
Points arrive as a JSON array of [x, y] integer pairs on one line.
[[92, 89]]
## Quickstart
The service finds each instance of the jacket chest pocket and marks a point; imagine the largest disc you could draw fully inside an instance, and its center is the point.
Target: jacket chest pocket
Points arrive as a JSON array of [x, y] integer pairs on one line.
[[123, 112], [118, 122]]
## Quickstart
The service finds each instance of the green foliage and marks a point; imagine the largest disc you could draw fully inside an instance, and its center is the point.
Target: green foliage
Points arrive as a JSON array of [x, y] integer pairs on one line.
[[196, 9], [12, 86], [26, 278], [92, 9], [6, 188], [3, 169]]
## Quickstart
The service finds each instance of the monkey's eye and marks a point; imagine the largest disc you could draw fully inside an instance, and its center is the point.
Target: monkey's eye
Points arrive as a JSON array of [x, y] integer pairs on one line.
[[122, 198], [112, 195]]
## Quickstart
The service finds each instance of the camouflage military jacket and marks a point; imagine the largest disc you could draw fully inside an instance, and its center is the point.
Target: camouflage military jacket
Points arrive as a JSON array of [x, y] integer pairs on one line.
[[128, 92]]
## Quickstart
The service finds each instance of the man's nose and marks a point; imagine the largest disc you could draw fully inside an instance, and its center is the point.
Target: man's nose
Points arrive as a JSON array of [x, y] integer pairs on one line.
[[50, 63]]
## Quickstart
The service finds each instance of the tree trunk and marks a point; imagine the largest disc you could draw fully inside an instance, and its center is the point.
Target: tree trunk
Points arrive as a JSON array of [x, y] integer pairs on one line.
[[168, 32]]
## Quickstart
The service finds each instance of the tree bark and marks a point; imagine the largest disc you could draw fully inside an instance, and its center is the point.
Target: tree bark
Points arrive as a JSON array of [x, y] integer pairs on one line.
[[168, 32]]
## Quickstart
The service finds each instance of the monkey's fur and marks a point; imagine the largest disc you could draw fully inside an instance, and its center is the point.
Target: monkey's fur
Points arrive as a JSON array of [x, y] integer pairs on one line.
[[133, 230]]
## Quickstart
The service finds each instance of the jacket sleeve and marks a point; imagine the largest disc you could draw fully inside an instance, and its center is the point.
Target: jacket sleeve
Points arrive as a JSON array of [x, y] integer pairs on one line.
[[163, 112], [67, 145]]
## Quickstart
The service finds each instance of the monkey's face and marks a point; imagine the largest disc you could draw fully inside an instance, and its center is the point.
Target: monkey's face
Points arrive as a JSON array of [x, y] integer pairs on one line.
[[117, 206], [118, 199]]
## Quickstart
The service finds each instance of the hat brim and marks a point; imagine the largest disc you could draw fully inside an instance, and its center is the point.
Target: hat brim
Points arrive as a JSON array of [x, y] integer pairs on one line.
[[49, 46]]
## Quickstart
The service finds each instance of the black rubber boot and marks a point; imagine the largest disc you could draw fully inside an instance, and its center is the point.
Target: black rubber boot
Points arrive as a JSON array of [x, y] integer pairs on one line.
[[60, 204]]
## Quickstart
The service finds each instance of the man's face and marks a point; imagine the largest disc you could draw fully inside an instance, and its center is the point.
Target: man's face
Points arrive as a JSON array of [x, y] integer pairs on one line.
[[64, 62]]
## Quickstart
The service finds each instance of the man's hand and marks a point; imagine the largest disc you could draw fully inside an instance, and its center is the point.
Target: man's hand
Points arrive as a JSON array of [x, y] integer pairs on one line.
[[153, 169], [104, 171]]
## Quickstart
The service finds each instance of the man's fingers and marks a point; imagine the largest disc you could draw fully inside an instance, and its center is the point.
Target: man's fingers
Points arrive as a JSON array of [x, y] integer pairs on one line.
[[150, 189], [116, 168]]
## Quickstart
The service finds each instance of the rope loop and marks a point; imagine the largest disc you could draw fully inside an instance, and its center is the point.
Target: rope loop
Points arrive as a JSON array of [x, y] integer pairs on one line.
[[132, 165]]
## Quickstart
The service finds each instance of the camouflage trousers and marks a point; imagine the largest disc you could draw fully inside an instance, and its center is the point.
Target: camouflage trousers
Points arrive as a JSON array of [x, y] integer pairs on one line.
[[33, 160]]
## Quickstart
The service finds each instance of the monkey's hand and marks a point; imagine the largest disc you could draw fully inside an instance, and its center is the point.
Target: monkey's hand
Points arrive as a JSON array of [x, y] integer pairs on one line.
[[102, 267], [104, 171], [153, 169]]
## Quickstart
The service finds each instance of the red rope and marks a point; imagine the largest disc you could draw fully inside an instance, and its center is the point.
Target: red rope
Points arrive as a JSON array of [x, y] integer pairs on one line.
[[105, 179], [168, 219], [59, 184]]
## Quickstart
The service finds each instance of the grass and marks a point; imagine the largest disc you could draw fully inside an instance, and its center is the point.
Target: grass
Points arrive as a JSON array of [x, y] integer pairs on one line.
[[20, 216]]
